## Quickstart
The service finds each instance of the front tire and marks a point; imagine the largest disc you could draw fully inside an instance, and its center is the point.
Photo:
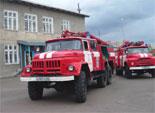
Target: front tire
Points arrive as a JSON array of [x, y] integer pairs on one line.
[[81, 87], [119, 72], [128, 73], [35, 91]]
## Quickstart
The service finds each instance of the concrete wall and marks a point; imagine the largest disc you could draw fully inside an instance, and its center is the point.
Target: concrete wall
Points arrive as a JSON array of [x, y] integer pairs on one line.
[[10, 37], [77, 22]]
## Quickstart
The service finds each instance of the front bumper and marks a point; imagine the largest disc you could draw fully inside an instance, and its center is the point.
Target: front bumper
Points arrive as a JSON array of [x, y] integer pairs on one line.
[[44, 79], [142, 68]]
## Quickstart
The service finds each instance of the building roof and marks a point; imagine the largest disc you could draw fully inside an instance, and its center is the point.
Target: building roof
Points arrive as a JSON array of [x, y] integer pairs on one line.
[[24, 2]]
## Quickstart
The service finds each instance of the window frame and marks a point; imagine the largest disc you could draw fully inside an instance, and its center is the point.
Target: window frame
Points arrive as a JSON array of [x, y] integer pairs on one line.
[[28, 22], [13, 50], [12, 20], [49, 25], [66, 25]]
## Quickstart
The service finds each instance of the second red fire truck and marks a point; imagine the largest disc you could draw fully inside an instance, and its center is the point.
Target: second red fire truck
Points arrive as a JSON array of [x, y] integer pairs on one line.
[[134, 58]]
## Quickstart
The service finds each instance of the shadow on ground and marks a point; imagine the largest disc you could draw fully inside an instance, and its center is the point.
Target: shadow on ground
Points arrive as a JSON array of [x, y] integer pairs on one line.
[[67, 96]]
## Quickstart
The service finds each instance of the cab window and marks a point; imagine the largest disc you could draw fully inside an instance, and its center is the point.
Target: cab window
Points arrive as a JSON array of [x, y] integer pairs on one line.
[[93, 45], [85, 45], [105, 52]]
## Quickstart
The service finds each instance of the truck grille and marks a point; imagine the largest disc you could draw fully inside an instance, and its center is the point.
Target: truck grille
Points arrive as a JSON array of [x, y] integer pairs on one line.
[[53, 64], [144, 62], [46, 67], [38, 64]]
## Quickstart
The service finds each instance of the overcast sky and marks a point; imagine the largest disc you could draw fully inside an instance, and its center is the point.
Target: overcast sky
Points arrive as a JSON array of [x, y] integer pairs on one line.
[[114, 19]]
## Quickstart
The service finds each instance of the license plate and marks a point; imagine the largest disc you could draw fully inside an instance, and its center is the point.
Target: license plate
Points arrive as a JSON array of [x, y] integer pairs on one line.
[[42, 79]]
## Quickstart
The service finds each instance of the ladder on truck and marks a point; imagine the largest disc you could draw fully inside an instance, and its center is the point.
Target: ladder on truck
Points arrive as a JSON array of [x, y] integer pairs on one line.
[[67, 34], [128, 43]]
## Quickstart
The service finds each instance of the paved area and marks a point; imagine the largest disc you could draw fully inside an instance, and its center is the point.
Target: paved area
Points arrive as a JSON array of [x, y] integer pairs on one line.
[[123, 96]]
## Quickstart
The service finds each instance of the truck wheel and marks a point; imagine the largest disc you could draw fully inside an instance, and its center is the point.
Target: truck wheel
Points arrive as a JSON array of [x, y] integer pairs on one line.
[[119, 72], [109, 78], [81, 87], [153, 73], [128, 73], [35, 91], [102, 80]]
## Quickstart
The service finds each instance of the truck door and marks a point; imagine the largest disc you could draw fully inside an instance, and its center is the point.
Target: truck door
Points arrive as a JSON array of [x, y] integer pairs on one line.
[[105, 52], [105, 56], [95, 55], [87, 55]]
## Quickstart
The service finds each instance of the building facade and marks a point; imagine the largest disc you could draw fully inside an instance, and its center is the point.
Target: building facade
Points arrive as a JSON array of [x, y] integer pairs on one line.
[[24, 28]]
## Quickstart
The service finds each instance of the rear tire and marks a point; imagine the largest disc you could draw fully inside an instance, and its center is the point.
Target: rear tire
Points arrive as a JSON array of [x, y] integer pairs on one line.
[[128, 73], [109, 78], [102, 80], [35, 90], [81, 87], [153, 74], [119, 72]]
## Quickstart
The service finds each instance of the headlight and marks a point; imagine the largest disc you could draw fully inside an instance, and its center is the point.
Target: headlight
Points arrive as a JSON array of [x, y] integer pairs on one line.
[[132, 63], [71, 68], [28, 70]]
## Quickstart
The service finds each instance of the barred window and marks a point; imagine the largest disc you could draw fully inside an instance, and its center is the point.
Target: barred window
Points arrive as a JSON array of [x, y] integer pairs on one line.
[[11, 54], [30, 22], [48, 25], [10, 20]]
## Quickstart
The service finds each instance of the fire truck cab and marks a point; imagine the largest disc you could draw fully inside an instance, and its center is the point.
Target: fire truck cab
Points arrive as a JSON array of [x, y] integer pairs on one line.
[[70, 62], [134, 58]]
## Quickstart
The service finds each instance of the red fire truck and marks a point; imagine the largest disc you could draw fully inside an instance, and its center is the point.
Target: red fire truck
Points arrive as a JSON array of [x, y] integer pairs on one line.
[[134, 58], [70, 62]]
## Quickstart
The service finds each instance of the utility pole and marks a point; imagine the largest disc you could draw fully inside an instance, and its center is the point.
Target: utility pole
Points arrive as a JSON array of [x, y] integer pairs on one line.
[[79, 10]]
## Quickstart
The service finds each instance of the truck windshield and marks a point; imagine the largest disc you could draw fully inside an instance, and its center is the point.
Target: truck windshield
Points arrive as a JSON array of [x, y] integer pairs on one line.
[[138, 50], [64, 45]]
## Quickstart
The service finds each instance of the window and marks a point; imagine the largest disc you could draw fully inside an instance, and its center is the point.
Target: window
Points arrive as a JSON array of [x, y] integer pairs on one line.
[[85, 46], [65, 25], [93, 45], [30, 23], [64, 45], [48, 24], [137, 50], [10, 20], [11, 54]]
